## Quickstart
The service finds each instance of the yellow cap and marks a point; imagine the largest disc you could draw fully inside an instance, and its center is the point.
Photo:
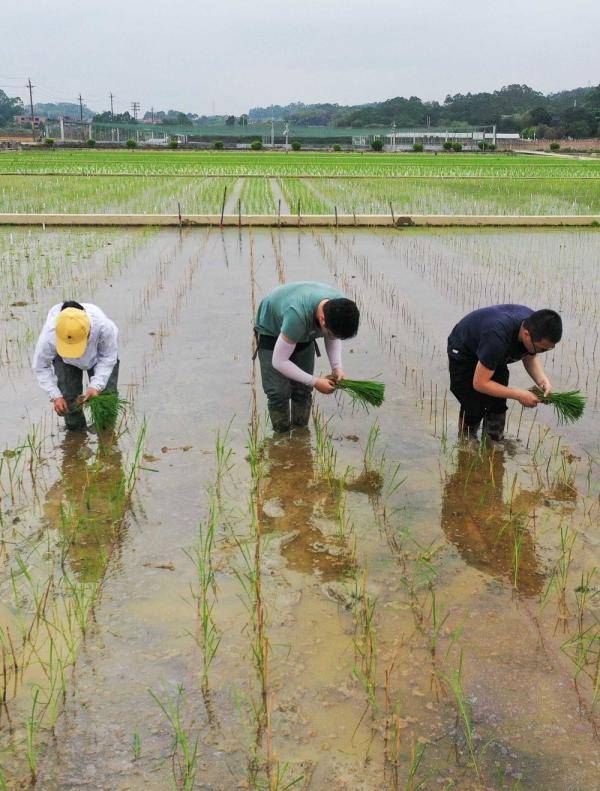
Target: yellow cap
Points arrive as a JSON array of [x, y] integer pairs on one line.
[[72, 332]]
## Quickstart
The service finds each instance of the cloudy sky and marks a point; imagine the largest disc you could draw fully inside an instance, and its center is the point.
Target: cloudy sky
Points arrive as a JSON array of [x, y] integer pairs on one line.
[[225, 56]]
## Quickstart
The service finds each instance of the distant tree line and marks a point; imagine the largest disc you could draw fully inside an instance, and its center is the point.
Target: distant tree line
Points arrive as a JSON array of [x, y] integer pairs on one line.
[[514, 108]]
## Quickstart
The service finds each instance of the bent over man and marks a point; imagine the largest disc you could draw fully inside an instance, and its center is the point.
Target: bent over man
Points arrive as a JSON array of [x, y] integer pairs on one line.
[[480, 348], [288, 321], [76, 338]]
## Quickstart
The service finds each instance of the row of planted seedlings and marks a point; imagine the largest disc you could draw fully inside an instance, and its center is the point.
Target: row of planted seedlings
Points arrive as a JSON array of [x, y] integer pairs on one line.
[[474, 269], [406, 734], [555, 481], [119, 195], [459, 196], [240, 542], [59, 529], [187, 163], [35, 265]]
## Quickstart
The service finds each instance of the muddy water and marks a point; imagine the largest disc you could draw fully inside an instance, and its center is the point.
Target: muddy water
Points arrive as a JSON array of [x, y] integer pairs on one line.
[[460, 565]]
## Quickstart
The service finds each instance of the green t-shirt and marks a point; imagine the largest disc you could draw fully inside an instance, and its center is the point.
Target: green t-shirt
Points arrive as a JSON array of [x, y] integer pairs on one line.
[[291, 309]]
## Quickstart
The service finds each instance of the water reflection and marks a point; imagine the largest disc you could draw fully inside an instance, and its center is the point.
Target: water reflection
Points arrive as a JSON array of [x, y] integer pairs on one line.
[[88, 502], [491, 525], [297, 503]]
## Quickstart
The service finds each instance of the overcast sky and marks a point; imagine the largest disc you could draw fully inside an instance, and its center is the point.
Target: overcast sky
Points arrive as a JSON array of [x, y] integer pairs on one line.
[[226, 56]]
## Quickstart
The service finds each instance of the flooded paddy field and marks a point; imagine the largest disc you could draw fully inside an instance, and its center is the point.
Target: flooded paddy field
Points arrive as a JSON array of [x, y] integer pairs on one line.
[[193, 603]]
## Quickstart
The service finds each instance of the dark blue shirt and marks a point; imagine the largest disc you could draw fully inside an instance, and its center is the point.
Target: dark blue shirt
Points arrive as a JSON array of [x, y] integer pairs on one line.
[[490, 336]]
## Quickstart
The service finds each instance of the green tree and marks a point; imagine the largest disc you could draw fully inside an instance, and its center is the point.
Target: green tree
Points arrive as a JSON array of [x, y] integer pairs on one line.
[[230, 120], [243, 120], [256, 145], [296, 145], [377, 145], [9, 106]]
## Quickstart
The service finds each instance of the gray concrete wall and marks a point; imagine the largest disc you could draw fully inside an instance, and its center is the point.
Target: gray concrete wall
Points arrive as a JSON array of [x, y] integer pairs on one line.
[[308, 220]]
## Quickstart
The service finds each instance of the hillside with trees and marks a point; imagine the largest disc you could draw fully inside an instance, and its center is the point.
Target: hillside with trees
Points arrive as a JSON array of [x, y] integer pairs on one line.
[[513, 108]]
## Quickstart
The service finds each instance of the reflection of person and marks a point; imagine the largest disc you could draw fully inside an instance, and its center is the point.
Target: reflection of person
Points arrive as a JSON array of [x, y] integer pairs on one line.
[[479, 349], [288, 321], [88, 502], [76, 338], [293, 502], [482, 526]]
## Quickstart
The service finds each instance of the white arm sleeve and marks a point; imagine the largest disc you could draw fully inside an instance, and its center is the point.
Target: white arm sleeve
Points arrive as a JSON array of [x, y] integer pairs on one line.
[[281, 362], [107, 356], [333, 347]]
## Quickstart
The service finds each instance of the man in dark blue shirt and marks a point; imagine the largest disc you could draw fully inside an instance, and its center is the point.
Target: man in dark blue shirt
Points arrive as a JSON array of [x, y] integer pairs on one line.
[[481, 346]]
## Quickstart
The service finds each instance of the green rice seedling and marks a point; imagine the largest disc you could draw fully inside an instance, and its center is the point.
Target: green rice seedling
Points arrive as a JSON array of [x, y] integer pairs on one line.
[[559, 574], [32, 728], [208, 637], [105, 409], [568, 406], [223, 455], [374, 433], [185, 750], [365, 640], [363, 393], [135, 464], [454, 682], [417, 753], [326, 455], [137, 746]]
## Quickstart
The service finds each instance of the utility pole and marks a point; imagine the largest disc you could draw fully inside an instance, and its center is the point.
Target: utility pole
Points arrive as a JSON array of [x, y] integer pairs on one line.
[[81, 116], [135, 106], [272, 129], [112, 115], [30, 86], [152, 112]]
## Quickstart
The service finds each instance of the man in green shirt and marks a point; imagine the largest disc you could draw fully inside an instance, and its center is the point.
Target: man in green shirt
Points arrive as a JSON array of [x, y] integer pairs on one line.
[[288, 322]]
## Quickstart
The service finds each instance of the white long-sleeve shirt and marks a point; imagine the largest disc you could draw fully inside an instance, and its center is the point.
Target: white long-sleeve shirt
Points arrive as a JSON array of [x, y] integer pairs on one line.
[[283, 351], [101, 352]]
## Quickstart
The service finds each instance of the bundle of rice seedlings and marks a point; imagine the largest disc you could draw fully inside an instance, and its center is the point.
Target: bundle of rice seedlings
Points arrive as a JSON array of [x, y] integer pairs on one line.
[[568, 406], [105, 409], [363, 392]]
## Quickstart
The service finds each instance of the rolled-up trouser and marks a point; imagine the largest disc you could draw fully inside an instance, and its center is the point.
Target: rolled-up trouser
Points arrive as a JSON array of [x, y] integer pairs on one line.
[[280, 390], [476, 406], [70, 384]]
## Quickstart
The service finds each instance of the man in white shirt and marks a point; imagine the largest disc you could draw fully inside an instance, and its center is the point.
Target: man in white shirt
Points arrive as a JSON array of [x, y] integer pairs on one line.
[[76, 338]]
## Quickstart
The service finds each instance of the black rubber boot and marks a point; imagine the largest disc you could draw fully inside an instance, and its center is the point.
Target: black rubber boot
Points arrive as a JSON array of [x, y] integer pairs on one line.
[[467, 425], [301, 411], [493, 425], [280, 418]]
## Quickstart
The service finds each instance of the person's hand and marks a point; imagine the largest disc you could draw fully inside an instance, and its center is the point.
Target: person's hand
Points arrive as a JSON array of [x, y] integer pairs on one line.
[[527, 398], [545, 385], [325, 386], [90, 393], [338, 374], [60, 406]]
